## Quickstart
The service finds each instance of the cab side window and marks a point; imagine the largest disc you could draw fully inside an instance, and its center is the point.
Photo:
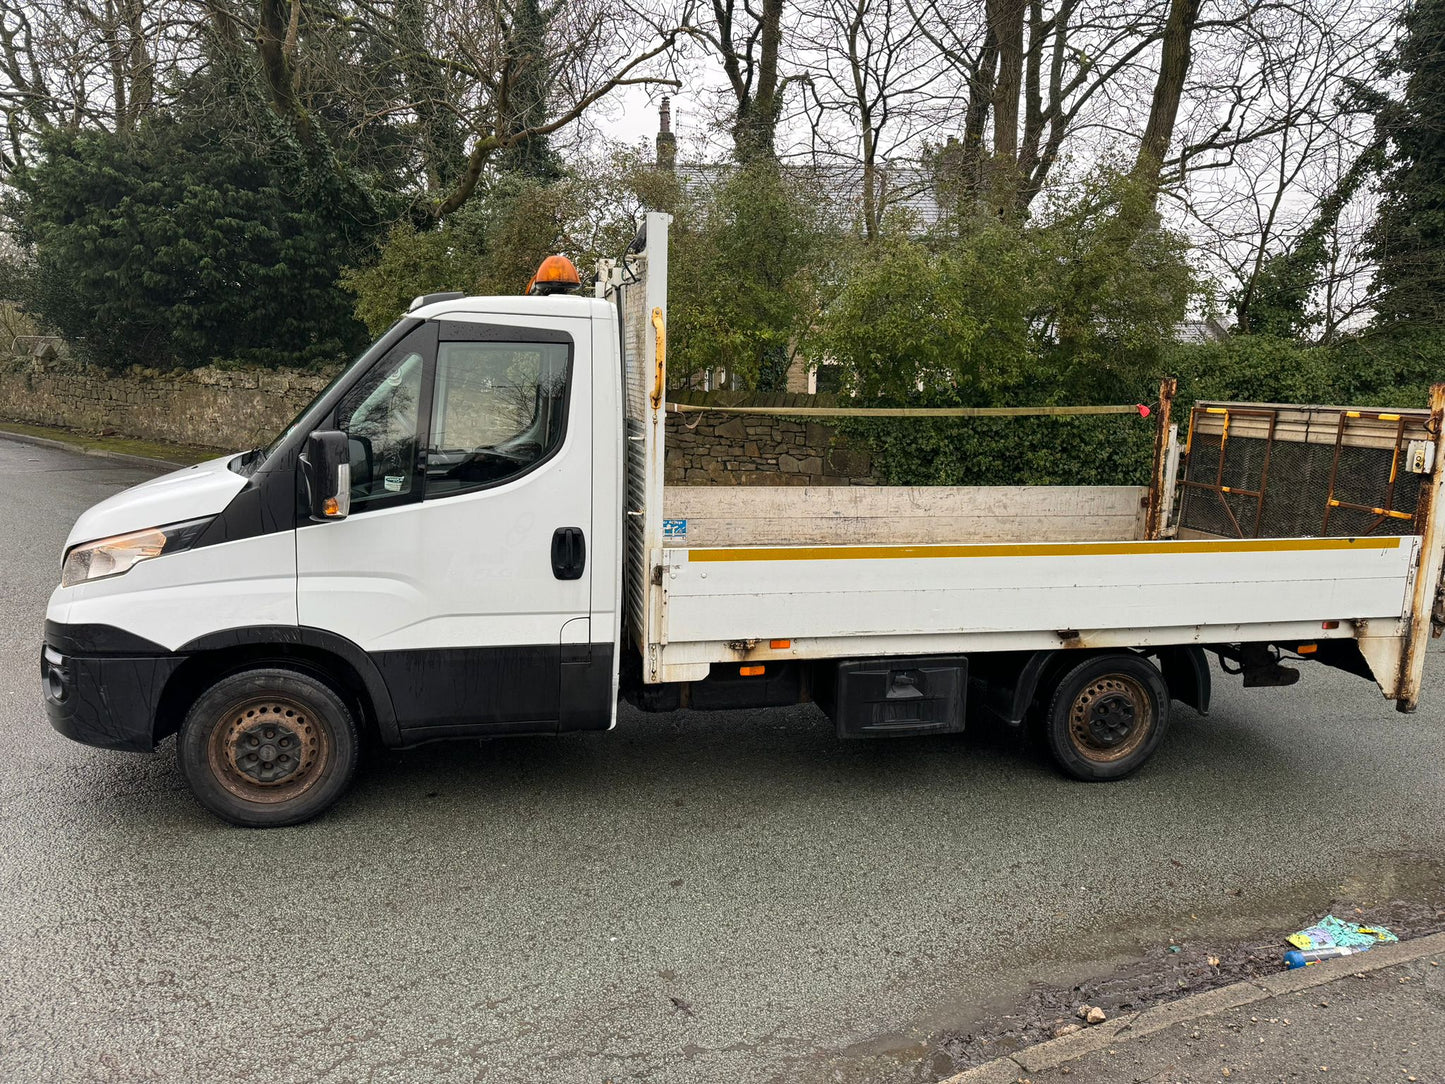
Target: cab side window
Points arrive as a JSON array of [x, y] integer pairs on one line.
[[498, 409], [379, 418]]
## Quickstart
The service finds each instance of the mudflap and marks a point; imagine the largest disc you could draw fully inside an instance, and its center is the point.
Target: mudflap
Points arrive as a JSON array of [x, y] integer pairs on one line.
[[1186, 673]]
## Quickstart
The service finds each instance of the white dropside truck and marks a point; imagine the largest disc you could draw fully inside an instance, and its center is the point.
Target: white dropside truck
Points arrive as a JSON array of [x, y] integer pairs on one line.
[[468, 535]]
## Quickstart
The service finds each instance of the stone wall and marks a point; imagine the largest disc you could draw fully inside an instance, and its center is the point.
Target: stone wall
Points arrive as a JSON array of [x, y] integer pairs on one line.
[[227, 409], [719, 448], [232, 409]]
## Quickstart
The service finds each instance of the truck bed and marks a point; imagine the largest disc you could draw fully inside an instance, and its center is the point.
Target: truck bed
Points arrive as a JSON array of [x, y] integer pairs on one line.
[[1295, 525]]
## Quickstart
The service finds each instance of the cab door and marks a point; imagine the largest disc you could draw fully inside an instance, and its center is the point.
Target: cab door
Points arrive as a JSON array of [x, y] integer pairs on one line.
[[463, 568]]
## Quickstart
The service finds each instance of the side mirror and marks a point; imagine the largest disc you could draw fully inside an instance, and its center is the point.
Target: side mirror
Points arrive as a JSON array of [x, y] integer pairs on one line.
[[326, 465]]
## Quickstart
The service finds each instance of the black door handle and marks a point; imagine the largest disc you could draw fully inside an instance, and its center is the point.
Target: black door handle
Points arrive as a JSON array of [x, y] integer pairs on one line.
[[569, 553]]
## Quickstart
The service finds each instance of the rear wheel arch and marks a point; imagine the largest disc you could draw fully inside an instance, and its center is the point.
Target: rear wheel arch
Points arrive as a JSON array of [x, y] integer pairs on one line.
[[1186, 673], [1041, 674], [1184, 667]]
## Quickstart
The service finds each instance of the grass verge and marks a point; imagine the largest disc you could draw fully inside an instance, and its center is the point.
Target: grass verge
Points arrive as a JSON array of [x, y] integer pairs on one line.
[[86, 442]]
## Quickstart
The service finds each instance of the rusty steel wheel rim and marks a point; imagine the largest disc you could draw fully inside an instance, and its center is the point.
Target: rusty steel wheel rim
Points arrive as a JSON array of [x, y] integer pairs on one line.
[[1110, 718], [268, 749]]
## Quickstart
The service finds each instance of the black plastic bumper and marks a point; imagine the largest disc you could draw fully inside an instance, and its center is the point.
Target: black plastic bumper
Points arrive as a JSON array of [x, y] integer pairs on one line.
[[108, 700]]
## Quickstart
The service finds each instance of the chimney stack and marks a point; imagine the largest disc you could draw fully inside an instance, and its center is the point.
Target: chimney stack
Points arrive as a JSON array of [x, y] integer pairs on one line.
[[666, 141]]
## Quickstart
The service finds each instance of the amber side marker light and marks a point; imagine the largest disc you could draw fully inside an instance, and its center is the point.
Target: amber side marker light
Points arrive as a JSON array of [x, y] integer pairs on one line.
[[1307, 649], [751, 671], [780, 645], [556, 275]]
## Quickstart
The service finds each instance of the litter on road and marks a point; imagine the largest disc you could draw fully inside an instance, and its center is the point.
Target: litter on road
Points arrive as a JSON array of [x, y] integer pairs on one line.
[[1331, 938], [1331, 932]]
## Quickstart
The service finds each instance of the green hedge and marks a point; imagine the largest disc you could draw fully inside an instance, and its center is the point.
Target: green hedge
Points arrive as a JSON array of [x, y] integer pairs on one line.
[[1377, 370]]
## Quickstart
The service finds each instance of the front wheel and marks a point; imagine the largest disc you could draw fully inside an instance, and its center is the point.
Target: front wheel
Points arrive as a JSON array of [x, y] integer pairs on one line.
[[269, 747], [1107, 716]]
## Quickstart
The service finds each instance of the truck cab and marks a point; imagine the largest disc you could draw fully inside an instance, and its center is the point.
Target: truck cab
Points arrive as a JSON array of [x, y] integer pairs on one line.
[[431, 550]]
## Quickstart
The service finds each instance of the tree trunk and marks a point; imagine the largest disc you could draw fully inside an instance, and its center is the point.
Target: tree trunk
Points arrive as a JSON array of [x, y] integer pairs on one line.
[[142, 73], [1164, 108], [758, 106], [276, 34], [871, 214], [1006, 23], [1028, 155], [1034, 164], [115, 50], [980, 89]]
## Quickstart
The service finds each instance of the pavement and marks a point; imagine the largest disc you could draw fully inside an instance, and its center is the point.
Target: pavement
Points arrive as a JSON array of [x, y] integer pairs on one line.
[[734, 897], [1368, 1019]]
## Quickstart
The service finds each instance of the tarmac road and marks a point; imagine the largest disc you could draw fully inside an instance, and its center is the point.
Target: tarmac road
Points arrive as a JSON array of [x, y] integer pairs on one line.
[[689, 898]]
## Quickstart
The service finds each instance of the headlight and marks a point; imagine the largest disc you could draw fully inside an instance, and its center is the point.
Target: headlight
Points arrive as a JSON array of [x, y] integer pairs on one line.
[[112, 556]]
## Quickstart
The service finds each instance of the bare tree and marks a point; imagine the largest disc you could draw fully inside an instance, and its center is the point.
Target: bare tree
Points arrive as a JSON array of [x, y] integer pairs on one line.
[[1273, 154], [748, 43], [868, 66], [1174, 55], [1034, 75], [84, 63], [593, 49], [441, 74]]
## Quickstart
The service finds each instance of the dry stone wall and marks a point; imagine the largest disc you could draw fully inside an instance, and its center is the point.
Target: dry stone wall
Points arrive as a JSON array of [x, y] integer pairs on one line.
[[721, 448], [226, 409], [232, 409]]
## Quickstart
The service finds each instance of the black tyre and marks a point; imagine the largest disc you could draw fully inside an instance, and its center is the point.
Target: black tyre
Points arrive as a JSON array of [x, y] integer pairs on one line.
[[1107, 716], [266, 748]]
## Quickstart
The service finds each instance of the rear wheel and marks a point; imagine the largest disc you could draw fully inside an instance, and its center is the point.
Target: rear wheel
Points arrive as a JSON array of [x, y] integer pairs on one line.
[[269, 747], [1107, 716]]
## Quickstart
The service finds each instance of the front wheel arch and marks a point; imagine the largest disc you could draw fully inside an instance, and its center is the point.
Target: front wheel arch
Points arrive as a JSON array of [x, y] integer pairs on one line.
[[326, 656]]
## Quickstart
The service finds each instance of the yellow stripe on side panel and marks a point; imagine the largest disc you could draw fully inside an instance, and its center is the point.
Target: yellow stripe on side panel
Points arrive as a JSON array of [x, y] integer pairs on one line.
[[1041, 549]]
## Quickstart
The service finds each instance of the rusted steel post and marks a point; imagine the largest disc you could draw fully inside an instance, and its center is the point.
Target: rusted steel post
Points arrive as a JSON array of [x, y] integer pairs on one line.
[[1427, 576], [1152, 527]]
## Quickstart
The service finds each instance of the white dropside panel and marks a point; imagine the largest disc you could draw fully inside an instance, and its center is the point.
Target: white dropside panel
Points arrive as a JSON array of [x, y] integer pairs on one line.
[[719, 595]]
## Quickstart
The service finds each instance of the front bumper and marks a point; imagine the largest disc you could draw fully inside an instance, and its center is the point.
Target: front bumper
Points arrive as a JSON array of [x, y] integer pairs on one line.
[[102, 699]]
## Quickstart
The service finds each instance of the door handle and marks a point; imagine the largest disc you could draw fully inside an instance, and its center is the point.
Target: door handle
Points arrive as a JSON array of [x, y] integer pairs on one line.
[[569, 553]]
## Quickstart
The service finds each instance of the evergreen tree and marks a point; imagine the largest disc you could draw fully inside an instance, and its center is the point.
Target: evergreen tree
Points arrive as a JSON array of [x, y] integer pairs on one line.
[[1407, 239], [198, 238]]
